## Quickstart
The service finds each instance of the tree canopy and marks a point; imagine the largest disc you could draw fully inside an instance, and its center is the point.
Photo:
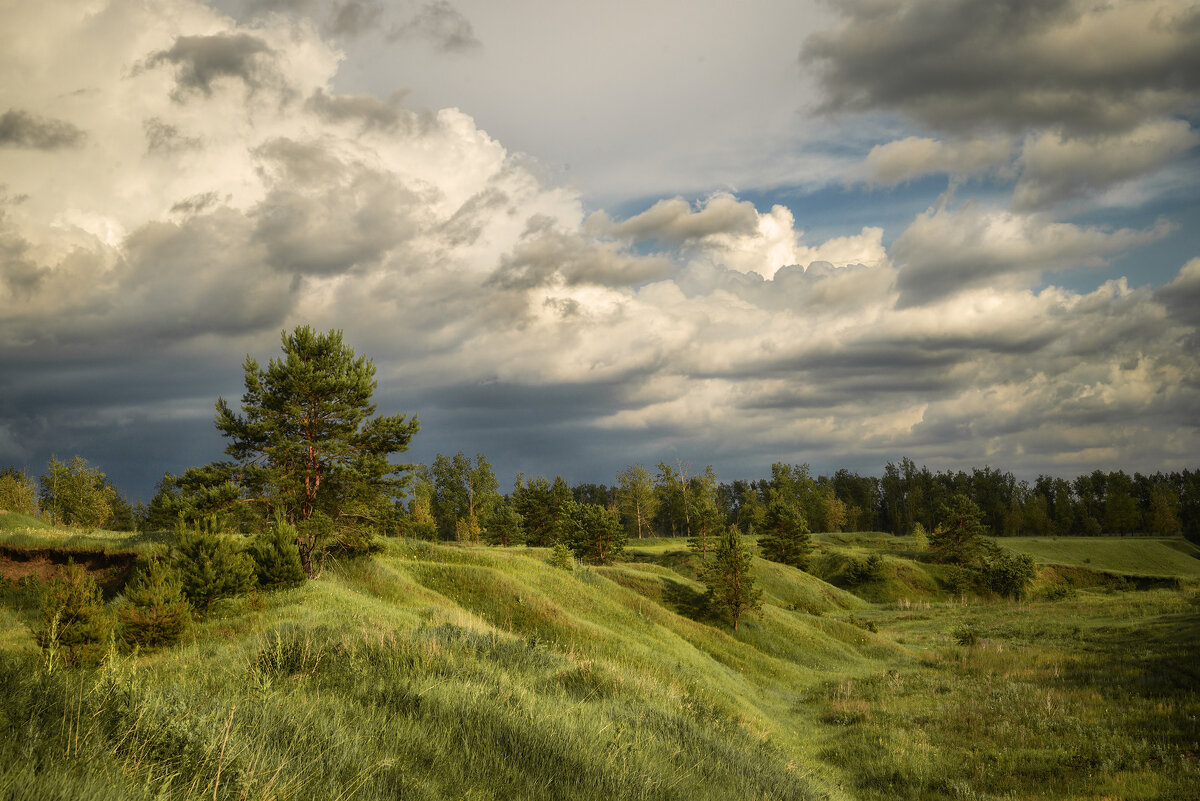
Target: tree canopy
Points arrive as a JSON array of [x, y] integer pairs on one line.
[[306, 441]]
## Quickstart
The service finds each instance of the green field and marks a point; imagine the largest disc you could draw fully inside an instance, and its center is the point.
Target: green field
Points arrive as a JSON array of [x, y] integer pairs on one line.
[[444, 672]]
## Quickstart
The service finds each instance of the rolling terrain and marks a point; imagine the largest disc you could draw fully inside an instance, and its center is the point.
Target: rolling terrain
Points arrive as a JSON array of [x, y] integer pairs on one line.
[[441, 671]]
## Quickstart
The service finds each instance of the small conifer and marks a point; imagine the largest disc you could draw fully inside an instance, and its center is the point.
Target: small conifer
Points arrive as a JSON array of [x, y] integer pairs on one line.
[[155, 612]]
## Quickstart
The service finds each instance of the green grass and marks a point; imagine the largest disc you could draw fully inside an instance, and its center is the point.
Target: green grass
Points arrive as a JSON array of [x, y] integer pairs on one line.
[[1136, 556], [442, 672]]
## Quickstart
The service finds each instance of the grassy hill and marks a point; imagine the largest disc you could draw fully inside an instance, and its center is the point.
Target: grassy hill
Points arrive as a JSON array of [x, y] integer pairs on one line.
[[1140, 556], [444, 672]]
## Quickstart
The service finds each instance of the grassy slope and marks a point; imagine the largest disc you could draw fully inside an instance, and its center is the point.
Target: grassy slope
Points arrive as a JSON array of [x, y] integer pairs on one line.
[[442, 672], [1139, 556]]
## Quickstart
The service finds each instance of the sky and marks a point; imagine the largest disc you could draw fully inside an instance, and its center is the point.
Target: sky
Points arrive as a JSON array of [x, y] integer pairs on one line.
[[577, 236]]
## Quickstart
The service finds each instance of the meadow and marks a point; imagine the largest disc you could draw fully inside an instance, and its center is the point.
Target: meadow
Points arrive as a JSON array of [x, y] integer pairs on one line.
[[435, 671]]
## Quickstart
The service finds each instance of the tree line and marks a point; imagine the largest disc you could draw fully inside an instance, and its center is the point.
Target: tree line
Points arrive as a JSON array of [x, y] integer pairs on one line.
[[310, 476]]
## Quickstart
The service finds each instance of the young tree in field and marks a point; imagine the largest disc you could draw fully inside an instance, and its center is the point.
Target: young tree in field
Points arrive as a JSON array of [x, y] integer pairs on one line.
[[785, 536], [18, 492], [306, 441], [731, 589], [155, 612], [959, 533], [73, 615], [592, 532], [76, 494], [636, 499]]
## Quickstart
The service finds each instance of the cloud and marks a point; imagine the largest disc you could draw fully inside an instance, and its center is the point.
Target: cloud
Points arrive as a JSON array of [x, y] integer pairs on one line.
[[547, 255], [442, 25], [1054, 168], [904, 159], [1075, 65], [1182, 295], [503, 315], [674, 221], [203, 60], [945, 250], [19, 128]]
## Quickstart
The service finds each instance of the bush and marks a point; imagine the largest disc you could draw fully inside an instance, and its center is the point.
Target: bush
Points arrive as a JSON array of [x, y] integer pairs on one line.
[[860, 571], [277, 558], [562, 557], [966, 635], [211, 568], [155, 612], [73, 617], [18, 492], [1009, 574]]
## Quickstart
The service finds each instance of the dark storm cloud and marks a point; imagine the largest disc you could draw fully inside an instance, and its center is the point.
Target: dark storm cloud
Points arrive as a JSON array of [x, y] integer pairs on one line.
[[965, 64], [200, 61], [19, 128], [442, 25]]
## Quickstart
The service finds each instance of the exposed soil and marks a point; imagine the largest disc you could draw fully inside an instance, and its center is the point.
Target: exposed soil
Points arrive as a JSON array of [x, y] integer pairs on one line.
[[111, 570]]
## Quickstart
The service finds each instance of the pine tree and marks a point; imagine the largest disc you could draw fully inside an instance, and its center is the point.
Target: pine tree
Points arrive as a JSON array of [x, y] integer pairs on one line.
[[276, 558], [73, 614], [785, 536], [306, 441], [211, 568], [155, 612], [731, 588]]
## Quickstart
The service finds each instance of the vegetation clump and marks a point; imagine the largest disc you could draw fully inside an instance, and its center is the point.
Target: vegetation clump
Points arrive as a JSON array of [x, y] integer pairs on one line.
[[731, 587], [276, 558], [155, 613], [74, 620], [211, 567]]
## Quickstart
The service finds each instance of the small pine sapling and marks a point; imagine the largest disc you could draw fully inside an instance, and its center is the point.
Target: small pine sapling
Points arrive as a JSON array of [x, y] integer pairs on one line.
[[155, 612]]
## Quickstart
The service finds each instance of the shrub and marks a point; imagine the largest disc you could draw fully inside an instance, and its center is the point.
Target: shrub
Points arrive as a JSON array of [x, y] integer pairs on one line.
[[277, 558], [1009, 574], [73, 616], [966, 635], [211, 568], [18, 492], [860, 571], [562, 557], [155, 612]]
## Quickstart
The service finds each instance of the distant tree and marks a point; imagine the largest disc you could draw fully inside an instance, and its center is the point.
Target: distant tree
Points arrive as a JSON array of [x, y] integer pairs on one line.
[[670, 493], [76, 494], [731, 587], [540, 504], [18, 492], [1163, 515], [785, 536], [464, 493], [421, 523], [503, 526], [155, 612], [636, 499], [306, 440], [958, 536], [592, 532]]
